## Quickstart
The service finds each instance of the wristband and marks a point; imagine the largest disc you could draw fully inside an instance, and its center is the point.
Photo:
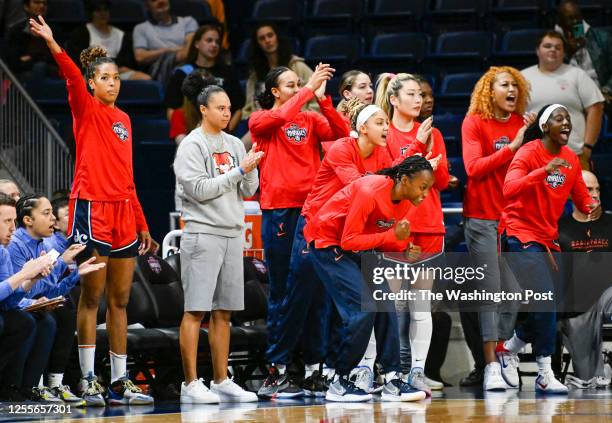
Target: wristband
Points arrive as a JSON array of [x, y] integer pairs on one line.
[[589, 146]]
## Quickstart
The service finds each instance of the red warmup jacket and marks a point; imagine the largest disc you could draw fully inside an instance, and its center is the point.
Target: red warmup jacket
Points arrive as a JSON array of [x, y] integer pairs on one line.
[[361, 217], [535, 199], [103, 134], [341, 165], [486, 157], [291, 141], [427, 218]]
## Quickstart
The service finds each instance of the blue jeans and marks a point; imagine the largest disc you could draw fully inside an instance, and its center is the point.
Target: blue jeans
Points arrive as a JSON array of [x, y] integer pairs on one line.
[[533, 271], [304, 313], [277, 232], [341, 275]]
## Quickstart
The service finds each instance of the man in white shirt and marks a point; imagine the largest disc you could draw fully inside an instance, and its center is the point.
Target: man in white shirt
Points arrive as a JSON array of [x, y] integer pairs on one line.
[[552, 81]]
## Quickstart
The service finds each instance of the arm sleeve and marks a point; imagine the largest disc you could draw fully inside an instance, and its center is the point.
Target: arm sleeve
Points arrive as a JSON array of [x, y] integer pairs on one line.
[[518, 178], [263, 122], [331, 125], [195, 179], [441, 173], [141, 221], [580, 193], [191, 25], [353, 238], [78, 96], [138, 37], [588, 91], [5, 290], [341, 161], [49, 290], [477, 165]]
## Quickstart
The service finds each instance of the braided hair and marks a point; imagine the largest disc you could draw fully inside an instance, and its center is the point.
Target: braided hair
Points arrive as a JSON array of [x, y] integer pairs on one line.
[[25, 205], [353, 107], [409, 167]]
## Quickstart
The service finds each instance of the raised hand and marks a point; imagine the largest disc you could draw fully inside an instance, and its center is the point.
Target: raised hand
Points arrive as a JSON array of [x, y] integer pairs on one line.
[[323, 72], [40, 28], [252, 159], [596, 211], [528, 120], [424, 132], [435, 161]]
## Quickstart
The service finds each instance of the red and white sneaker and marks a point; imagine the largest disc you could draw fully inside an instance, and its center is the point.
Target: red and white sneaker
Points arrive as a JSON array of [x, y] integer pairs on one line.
[[509, 363], [547, 383]]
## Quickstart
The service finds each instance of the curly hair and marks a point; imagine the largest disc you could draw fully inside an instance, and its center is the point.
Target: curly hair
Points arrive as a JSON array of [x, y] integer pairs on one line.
[[481, 102], [92, 57], [352, 108]]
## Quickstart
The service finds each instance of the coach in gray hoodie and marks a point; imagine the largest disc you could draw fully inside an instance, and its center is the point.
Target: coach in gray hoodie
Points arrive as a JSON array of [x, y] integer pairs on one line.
[[215, 173]]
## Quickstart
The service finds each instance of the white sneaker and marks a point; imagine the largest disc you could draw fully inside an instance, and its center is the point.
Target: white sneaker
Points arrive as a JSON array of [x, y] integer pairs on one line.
[[197, 393], [229, 391], [547, 383], [434, 385], [493, 380], [509, 365], [363, 378]]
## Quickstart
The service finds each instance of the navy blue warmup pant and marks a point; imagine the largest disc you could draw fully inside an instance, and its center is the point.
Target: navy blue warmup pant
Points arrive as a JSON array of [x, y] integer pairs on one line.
[[17, 326], [277, 232], [340, 273], [304, 313], [531, 266]]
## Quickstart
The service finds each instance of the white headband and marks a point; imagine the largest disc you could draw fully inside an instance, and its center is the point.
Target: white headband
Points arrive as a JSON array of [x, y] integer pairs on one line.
[[547, 113], [365, 114]]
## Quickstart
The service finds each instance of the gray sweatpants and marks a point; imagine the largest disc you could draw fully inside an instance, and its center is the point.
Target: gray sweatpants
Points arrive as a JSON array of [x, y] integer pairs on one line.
[[496, 322], [582, 337]]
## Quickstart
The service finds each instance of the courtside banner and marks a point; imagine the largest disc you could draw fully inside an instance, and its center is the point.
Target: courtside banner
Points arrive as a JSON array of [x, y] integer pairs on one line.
[[507, 282]]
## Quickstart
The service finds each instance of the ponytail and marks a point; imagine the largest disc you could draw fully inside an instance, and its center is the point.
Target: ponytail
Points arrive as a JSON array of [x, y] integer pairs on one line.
[[409, 167], [266, 98], [389, 84]]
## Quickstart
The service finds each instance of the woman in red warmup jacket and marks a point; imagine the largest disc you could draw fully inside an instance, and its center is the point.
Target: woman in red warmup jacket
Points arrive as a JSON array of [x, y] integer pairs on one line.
[[291, 140], [306, 308], [105, 213], [401, 97], [370, 213], [542, 175], [491, 134]]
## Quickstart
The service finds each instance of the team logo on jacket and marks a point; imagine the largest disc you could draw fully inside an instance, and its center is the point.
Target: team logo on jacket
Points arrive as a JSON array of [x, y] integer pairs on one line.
[[121, 131], [224, 162], [296, 133], [500, 143], [555, 179], [154, 264], [385, 224]]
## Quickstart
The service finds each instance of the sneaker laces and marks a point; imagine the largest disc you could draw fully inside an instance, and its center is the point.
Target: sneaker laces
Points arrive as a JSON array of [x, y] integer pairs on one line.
[[362, 377], [129, 385], [93, 387]]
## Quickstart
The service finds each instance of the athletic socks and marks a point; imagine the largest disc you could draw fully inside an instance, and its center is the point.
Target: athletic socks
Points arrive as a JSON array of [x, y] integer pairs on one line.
[[543, 364], [118, 366], [328, 372], [420, 337], [369, 357], [87, 356], [514, 344], [309, 369], [55, 380], [282, 368]]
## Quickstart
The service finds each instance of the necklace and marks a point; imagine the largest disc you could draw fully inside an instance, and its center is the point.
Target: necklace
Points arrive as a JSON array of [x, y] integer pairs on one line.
[[503, 118], [217, 142]]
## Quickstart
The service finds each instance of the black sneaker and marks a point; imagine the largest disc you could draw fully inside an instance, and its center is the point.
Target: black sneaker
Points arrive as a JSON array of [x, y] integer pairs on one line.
[[475, 378], [314, 385], [279, 386]]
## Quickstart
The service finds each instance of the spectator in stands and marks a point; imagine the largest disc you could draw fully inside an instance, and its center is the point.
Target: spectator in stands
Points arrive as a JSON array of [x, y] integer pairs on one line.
[[163, 41], [99, 32], [587, 239], [11, 12], [28, 55], [588, 48], [552, 82], [203, 55], [18, 328], [216, 174], [268, 50], [59, 240], [10, 188], [35, 221]]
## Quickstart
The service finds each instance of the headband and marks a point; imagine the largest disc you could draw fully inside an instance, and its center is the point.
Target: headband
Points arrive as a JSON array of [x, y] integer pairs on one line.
[[547, 112], [365, 114]]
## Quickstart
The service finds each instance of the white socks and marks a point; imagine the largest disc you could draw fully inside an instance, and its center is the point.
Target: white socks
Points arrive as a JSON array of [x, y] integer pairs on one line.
[[543, 364], [87, 356], [369, 357], [55, 380], [420, 336], [514, 344], [328, 372], [309, 369], [118, 365], [282, 368]]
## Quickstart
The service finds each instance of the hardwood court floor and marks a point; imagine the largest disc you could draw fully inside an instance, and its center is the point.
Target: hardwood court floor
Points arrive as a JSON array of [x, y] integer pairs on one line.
[[452, 405]]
